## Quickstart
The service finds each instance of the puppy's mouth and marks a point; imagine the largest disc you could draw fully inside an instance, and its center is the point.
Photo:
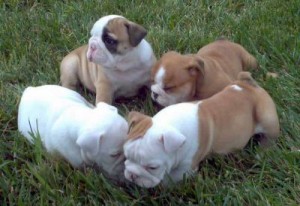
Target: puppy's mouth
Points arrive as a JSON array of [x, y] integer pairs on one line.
[[90, 58], [160, 99]]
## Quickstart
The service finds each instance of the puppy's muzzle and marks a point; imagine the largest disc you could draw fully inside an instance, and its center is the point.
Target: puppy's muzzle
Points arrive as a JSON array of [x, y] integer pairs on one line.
[[133, 177], [154, 95]]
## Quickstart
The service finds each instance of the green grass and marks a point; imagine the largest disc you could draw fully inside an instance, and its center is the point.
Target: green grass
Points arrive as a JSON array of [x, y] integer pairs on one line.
[[36, 35]]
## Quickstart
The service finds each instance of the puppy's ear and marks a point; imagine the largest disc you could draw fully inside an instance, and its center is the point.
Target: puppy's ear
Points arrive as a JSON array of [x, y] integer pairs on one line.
[[172, 140], [135, 32], [196, 67], [90, 142], [138, 124]]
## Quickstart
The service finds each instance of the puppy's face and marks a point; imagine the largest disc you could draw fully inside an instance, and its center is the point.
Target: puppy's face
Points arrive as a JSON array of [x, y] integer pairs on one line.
[[102, 139], [151, 156], [113, 36], [175, 77]]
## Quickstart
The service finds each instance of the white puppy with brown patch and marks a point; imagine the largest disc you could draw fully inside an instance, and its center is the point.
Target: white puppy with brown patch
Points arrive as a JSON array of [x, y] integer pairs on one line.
[[74, 129], [116, 62], [177, 138]]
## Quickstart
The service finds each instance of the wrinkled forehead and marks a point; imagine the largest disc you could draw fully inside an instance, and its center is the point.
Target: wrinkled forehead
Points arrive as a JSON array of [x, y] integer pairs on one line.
[[144, 148], [174, 66], [98, 27], [114, 130], [117, 28]]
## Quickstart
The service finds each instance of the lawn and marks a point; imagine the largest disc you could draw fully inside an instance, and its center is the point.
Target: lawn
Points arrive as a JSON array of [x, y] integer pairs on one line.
[[36, 35]]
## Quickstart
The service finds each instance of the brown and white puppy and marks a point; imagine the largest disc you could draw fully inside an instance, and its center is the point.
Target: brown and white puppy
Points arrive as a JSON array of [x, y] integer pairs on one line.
[[178, 137], [116, 62], [180, 78]]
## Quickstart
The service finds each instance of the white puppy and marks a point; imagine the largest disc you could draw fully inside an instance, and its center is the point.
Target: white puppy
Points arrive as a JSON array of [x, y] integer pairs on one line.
[[73, 128], [177, 138]]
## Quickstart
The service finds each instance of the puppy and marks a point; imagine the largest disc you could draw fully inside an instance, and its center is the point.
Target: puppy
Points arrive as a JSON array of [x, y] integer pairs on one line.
[[180, 78], [177, 138], [116, 62], [74, 129]]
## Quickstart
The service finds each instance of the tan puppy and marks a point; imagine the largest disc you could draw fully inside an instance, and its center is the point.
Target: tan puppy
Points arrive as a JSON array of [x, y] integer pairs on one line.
[[178, 137], [116, 62], [181, 78]]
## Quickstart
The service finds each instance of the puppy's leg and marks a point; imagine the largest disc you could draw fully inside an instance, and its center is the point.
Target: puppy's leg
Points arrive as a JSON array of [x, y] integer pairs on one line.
[[69, 72], [268, 123], [104, 91]]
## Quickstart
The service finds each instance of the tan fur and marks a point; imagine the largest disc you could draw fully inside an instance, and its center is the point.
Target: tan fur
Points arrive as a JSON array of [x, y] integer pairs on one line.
[[75, 68], [138, 125], [228, 120], [214, 67], [128, 33], [177, 74]]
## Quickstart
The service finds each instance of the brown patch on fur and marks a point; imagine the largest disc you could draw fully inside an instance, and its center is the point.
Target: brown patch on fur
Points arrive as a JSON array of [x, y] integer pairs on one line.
[[117, 29], [186, 70], [138, 125], [230, 118], [127, 33], [215, 66], [76, 69]]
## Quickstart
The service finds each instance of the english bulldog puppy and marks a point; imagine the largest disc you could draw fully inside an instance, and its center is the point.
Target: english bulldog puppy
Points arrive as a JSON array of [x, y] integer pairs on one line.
[[177, 138], [181, 78], [115, 63], [74, 129]]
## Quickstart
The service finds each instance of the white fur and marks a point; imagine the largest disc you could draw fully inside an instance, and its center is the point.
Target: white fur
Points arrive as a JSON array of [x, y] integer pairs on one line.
[[68, 125], [236, 87], [127, 72], [258, 129], [168, 146], [160, 76]]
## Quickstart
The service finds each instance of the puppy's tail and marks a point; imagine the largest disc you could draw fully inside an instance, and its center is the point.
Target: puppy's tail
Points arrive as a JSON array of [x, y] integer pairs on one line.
[[247, 78], [249, 62]]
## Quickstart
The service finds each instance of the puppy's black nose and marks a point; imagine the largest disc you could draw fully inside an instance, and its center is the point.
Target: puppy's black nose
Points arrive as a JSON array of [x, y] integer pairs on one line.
[[155, 95], [133, 177]]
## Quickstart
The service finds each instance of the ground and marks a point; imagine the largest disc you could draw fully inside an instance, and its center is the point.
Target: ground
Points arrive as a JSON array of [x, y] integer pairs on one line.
[[36, 35]]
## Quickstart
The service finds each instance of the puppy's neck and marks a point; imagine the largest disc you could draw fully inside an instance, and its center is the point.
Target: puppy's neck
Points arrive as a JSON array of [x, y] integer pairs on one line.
[[211, 81], [184, 118], [142, 54]]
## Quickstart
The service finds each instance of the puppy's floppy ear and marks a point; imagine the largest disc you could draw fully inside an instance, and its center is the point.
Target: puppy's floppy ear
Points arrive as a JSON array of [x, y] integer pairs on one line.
[[196, 67], [135, 32], [172, 140], [90, 142], [138, 124]]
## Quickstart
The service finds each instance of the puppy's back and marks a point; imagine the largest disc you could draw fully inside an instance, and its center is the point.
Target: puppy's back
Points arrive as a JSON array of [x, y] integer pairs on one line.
[[223, 47], [30, 111], [265, 110], [39, 103]]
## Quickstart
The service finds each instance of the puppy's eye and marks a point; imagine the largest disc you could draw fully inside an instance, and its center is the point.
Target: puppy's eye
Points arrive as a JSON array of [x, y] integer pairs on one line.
[[108, 40], [149, 167], [118, 154], [168, 89]]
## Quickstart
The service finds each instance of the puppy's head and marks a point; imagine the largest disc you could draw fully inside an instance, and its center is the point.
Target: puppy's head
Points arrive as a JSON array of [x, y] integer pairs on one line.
[[149, 150], [175, 78], [112, 36], [102, 137]]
